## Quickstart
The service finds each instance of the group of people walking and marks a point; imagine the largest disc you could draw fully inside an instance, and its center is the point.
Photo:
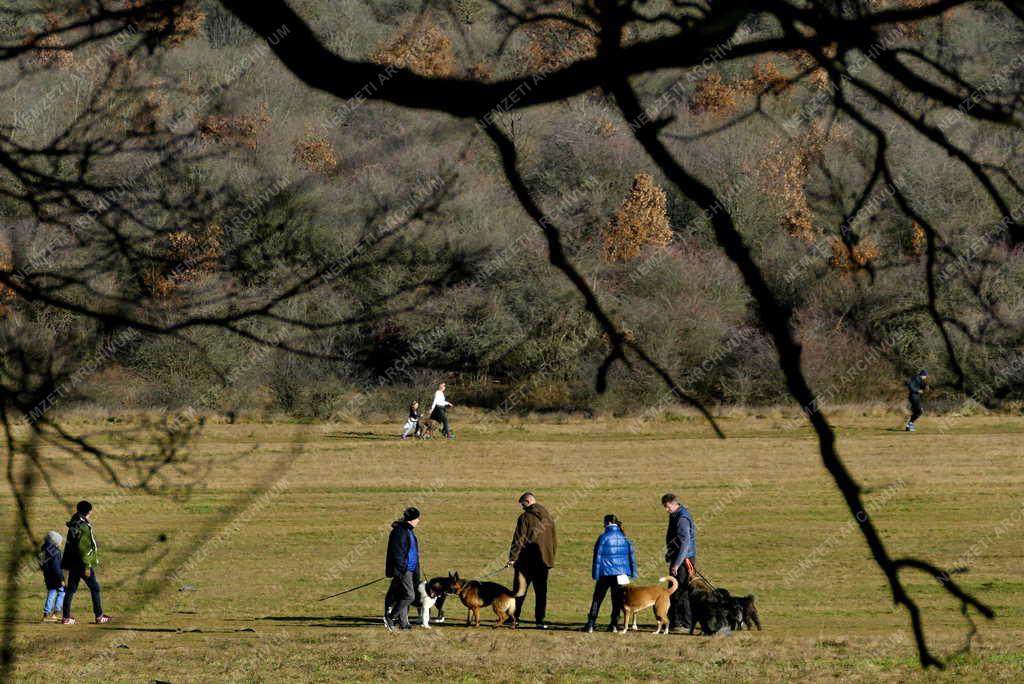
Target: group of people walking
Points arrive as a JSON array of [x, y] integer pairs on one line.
[[416, 427], [79, 560], [532, 555]]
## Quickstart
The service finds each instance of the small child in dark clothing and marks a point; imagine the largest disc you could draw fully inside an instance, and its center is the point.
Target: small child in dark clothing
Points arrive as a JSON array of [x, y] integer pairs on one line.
[[53, 575]]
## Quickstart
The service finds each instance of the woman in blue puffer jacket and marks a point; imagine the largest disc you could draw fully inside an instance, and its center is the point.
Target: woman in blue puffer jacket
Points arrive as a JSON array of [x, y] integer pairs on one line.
[[613, 557]]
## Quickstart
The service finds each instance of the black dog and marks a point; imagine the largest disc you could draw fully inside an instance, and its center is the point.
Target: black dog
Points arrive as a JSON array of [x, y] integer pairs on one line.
[[710, 609], [743, 611], [432, 594]]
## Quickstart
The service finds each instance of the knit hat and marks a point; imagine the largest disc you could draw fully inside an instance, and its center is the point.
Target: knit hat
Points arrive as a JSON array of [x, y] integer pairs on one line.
[[924, 372], [54, 538], [411, 513]]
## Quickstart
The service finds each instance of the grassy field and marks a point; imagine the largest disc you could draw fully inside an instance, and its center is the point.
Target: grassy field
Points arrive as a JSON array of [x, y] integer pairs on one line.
[[288, 513]]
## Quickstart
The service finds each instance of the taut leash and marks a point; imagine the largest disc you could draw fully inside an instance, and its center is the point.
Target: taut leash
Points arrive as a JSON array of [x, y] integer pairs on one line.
[[379, 579]]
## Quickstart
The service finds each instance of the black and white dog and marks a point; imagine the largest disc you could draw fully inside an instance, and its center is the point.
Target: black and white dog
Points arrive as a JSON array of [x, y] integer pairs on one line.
[[431, 594]]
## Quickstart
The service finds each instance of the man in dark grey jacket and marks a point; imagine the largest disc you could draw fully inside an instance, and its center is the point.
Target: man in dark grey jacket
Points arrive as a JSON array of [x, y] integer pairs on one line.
[[681, 556]]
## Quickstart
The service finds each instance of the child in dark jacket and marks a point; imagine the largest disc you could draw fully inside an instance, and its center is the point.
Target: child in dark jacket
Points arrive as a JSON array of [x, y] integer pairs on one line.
[[53, 575]]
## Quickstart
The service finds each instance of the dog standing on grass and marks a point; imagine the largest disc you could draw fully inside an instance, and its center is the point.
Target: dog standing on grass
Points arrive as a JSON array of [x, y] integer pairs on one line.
[[476, 595], [635, 599]]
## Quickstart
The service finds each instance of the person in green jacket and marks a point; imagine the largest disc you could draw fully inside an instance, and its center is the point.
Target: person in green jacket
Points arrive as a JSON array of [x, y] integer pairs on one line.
[[80, 560]]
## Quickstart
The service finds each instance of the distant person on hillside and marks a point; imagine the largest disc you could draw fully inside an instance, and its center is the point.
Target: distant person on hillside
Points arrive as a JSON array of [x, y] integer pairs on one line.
[[439, 410], [402, 565], [81, 556], [614, 565], [917, 386], [53, 576], [533, 553], [412, 423], [681, 556]]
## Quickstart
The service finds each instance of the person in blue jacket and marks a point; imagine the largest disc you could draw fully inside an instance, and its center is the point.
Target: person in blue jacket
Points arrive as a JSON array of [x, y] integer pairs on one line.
[[613, 557], [49, 562]]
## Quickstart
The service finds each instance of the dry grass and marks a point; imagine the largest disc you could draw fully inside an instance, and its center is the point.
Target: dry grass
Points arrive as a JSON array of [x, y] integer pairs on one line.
[[255, 563]]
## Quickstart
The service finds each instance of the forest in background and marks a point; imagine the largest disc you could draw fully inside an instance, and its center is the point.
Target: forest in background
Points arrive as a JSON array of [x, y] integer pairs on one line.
[[428, 257]]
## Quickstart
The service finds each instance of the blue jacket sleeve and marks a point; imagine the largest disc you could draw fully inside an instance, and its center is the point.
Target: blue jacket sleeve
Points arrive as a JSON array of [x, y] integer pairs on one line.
[[683, 535], [597, 553], [632, 559]]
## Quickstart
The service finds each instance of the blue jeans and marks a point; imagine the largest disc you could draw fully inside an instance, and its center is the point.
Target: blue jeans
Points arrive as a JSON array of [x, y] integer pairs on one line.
[[54, 601], [94, 589]]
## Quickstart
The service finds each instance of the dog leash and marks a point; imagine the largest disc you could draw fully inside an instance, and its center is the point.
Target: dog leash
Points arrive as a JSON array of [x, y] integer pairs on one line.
[[379, 579], [491, 574]]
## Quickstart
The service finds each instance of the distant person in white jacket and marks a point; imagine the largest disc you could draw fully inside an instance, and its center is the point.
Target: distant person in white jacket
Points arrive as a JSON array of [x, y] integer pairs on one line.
[[439, 410]]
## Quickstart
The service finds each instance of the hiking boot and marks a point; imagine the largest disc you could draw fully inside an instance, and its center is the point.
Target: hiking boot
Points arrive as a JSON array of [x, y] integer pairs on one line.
[[103, 619], [52, 617], [68, 621]]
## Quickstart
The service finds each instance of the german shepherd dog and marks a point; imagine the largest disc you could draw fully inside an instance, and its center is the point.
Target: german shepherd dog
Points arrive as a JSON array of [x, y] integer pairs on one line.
[[635, 599], [476, 595], [431, 594]]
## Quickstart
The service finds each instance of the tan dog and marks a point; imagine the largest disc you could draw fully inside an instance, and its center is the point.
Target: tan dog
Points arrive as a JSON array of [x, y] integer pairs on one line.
[[635, 599], [476, 595]]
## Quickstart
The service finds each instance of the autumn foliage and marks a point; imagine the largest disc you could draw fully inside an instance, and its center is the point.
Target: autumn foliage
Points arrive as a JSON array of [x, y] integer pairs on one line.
[[424, 49], [641, 220], [784, 175], [315, 152], [852, 258], [188, 254], [242, 130]]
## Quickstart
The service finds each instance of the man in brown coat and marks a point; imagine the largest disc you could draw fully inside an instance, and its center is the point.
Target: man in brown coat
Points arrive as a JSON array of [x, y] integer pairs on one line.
[[533, 553]]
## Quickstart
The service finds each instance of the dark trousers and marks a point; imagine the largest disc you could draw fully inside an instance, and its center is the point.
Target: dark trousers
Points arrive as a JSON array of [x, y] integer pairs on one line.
[[916, 407], [537, 575], [440, 414], [679, 611], [400, 596], [601, 588], [76, 576]]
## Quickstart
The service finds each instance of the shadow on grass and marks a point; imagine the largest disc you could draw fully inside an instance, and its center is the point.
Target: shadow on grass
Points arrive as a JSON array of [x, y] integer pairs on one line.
[[351, 434], [348, 621]]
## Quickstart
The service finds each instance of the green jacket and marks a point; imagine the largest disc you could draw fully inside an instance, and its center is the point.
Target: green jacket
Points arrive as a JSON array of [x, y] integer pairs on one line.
[[81, 550]]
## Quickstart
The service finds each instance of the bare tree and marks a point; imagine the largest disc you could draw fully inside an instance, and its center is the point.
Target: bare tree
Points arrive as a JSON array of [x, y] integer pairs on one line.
[[125, 257]]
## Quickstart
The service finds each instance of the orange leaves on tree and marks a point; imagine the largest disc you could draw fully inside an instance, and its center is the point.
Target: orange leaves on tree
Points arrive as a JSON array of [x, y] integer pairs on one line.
[[234, 130], [784, 175], [315, 152], [424, 49], [188, 254], [641, 220], [852, 258]]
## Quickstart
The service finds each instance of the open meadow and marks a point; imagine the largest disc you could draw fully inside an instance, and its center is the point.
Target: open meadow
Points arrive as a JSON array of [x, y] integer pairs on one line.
[[223, 585]]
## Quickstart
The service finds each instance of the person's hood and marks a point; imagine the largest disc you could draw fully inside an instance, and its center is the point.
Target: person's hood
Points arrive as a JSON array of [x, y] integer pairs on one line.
[[53, 537], [401, 523]]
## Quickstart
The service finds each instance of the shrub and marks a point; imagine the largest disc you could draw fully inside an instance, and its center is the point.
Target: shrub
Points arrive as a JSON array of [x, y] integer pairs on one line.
[[234, 130], [424, 49], [852, 258], [713, 95], [172, 24], [315, 152], [641, 220]]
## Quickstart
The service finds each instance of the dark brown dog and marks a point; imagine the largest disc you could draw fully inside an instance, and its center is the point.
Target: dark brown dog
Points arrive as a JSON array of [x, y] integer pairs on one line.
[[743, 611]]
